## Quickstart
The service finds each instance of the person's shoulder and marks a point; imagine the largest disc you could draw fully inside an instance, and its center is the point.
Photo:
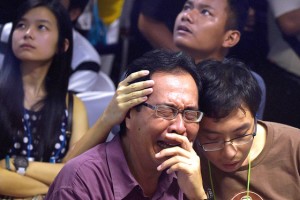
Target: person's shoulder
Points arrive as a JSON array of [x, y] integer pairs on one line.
[[81, 172], [257, 77], [282, 129], [77, 105], [89, 157], [78, 102], [280, 125], [84, 164]]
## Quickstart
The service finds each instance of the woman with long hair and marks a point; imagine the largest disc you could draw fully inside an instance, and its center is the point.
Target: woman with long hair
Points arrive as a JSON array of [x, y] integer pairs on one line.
[[37, 131], [34, 100]]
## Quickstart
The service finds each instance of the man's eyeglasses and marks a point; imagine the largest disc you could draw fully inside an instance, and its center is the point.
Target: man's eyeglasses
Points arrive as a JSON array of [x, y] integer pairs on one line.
[[168, 112], [215, 146]]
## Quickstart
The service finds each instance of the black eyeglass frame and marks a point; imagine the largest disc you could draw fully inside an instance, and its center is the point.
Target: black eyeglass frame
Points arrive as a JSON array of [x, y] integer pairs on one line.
[[154, 107], [230, 141]]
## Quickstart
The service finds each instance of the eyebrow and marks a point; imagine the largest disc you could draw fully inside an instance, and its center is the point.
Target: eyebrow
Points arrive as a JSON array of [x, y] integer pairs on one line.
[[189, 1], [44, 21], [208, 131], [187, 108], [201, 6], [38, 20], [198, 6]]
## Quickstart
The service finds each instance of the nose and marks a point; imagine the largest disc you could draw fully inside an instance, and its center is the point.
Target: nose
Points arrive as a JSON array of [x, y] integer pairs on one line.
[[188, 16], [178, 125], [28, 33], [229, 150]]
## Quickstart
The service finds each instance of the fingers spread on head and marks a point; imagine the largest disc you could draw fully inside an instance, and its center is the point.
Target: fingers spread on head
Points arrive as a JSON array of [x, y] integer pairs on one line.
[[136, 75]]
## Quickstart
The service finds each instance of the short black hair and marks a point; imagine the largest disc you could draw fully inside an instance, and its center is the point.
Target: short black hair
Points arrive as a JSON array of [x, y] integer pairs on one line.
[[237, 15], [163, 61], [227, 85]]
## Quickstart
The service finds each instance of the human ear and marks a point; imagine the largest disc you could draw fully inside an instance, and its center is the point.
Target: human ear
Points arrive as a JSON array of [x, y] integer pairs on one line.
[[128, 120], [232, 37], [66, 45]]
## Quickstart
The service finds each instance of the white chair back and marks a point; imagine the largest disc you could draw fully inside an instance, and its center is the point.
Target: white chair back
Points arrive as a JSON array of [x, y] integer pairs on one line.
[[95, 103], [104, 83]]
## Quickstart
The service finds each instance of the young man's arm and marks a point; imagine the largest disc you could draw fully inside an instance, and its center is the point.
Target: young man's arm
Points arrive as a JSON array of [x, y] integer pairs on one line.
[[157, 33]]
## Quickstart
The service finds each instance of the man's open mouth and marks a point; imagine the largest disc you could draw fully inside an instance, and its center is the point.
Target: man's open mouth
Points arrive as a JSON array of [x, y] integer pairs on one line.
[[165, 145]]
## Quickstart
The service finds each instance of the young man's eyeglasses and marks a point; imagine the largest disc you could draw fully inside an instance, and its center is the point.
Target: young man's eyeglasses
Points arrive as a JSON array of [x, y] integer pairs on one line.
[[215, 146], [168, 112]]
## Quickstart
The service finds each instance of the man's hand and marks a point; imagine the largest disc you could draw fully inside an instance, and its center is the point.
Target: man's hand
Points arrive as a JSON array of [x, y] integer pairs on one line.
[[184, 161]]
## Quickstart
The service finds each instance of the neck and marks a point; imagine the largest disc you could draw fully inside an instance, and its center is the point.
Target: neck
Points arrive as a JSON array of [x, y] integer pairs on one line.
[[34, 73], [201, 56], [258, 142], [33, 77], [145, 174]]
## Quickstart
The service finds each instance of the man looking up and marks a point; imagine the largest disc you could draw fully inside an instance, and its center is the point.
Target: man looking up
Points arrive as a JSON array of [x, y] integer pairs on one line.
[[204, 29], [128, 167]]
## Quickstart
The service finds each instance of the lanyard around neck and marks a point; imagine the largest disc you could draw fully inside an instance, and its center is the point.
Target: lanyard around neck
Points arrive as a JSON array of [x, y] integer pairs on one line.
[[28, 132], [248, 177]]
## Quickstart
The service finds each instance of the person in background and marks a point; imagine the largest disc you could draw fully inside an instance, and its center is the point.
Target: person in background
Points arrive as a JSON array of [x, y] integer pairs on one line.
[[241, 156], [86, 61], [169, 119], [37, 125], [205, 29]]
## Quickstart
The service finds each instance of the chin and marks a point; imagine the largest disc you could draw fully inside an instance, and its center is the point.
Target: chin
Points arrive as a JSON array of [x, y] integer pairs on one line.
[[179, 41], [230, 168], [183, 45]]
